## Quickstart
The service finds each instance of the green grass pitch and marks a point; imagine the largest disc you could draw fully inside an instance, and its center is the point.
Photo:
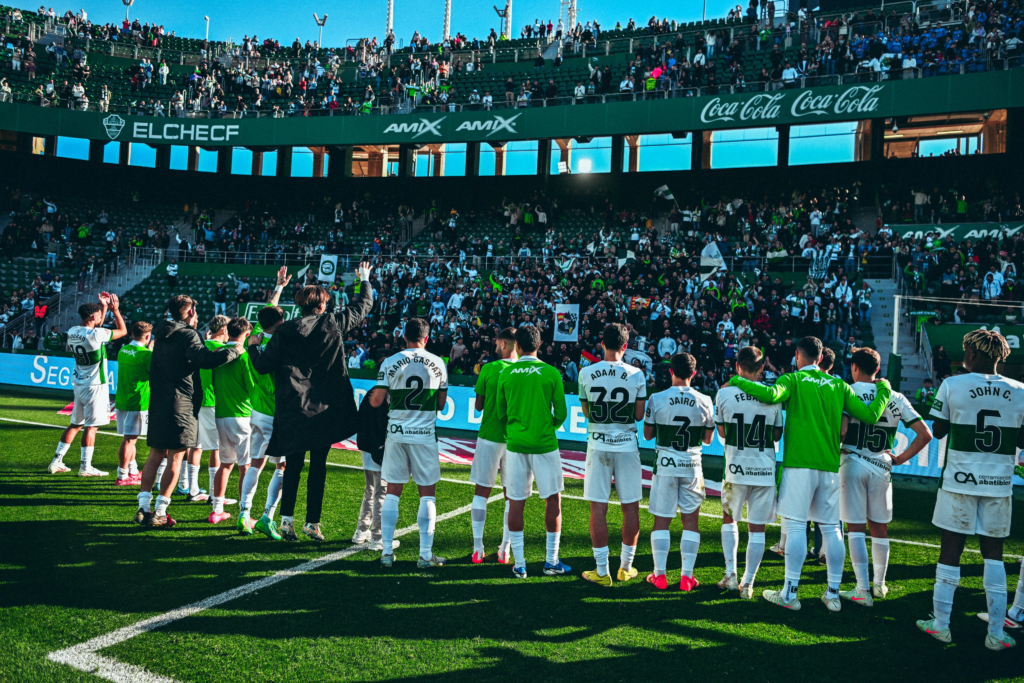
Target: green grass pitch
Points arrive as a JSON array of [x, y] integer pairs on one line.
[[73, 568]]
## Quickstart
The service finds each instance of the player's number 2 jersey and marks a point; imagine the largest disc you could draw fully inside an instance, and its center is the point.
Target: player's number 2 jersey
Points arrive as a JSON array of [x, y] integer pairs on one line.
[[871, 446], [413, 377], [749, 443], [985, 413], [611, 390], [679, 415], [87, 344]]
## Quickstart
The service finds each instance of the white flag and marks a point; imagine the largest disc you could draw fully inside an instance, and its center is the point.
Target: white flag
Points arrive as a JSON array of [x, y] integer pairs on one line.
[[711, 261], [328, 267], [567, 318]]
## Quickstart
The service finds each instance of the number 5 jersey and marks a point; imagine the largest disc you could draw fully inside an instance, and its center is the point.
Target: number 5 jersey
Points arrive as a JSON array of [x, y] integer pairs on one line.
[[749, 439]]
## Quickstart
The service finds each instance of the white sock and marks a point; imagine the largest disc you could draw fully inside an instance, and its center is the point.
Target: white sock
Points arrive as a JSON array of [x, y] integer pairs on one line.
[[730, 540], [160, 471], [553, 541], [212, 471], [388, 522], [505, 539], [145, 500], [426, 517], [122, 474], [995, 593], [626, 556], [1017, 611], [880, 559], [796, 551], [601, 557], [193, 479], [249, 484], [859, 558], [782, 536], [661, 541], [755, 552], [62, 449], [161, 505], [835, 556], [516, 540], [87, 456], [133, 467], [478, 517], [183, 478], [946, 580], [274, 493], [218, 503], [688, 550]]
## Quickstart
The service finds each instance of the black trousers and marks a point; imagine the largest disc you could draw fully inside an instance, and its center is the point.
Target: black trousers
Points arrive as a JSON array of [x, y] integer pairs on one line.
[[314, 482]]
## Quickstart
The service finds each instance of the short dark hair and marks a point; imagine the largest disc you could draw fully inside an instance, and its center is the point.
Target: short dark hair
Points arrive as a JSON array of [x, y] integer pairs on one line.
[[683, 365], [86, 311], [867, 360], [238, 326], [179, 305], [417, 330], [828, 359], [218, 323], [528, 338], [615, 336], [750, 359], [310, 298], [141, 329], [508, 334], [810, 347], [269, 316]]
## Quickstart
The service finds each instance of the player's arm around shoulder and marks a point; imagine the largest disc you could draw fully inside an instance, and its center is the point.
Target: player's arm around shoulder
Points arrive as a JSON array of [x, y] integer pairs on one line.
[[870, 413], [774, 394]]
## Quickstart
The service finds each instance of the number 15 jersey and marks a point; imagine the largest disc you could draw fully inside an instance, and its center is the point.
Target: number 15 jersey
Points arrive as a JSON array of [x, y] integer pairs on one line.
[[679, 415], [870, 446], [413, 377], [985, 413], [611, 390], [749, 446]]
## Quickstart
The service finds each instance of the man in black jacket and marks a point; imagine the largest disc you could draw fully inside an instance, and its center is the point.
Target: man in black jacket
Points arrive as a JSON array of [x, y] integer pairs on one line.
[[316, 406], [174, 401]]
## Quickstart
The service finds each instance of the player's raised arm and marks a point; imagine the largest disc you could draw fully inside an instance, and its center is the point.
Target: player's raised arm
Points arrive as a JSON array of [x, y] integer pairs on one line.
[[774, 394], [120, 329], [868, 414], [361, 304], [283, 278]]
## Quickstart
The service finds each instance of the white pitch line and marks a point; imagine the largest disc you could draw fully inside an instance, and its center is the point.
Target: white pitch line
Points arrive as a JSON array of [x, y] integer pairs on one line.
[[84, 658]]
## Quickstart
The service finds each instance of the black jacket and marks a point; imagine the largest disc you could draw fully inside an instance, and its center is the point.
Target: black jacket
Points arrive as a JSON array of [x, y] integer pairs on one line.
[[315, 405], [175, 392], [373, 428]]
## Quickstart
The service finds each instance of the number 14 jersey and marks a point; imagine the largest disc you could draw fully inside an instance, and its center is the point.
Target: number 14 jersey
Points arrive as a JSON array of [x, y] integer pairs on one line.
[[413, 377], [749, 446], [679, 415]]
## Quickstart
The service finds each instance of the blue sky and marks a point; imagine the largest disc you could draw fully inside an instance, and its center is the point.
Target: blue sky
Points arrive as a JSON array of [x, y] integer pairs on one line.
[[348, 20]]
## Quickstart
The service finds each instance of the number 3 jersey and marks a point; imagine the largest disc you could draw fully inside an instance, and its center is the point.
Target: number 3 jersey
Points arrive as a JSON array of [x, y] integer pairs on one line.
[[679, 415], [985, 413], [87, 343], [870, 446], [611, 390], [749, 427], [413, 377]]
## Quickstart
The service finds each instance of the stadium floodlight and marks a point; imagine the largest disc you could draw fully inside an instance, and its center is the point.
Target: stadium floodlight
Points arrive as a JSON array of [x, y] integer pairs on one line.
[[320, 23], [584, 166], [446, 33], [127, 5], [391, 18]]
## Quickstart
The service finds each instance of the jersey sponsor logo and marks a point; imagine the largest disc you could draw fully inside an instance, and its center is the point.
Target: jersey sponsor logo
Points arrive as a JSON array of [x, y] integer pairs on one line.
[[526, 371], [820, 381], [981, 480], [410, 431], [752, 471], [665, 460], [964, 478]]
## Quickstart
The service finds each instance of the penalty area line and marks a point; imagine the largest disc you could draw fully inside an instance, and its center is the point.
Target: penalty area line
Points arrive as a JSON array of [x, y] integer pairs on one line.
[[84, 656]]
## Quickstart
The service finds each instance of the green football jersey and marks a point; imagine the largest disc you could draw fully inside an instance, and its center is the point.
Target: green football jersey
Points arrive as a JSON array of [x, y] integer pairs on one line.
[[263, 397], [206, 376], [814, 413], [133, 377], [233, 386], [528, 391], [491, 428]]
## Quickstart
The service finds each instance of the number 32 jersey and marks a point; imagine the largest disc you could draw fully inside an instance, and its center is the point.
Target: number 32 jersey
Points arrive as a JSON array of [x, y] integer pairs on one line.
[[611, 390], [985, 413], [679, 415], [413, 377], [749, 427], [870, 446]]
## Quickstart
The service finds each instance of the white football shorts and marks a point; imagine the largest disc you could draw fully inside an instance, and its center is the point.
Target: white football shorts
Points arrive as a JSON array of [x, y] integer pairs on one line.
[[488, 460], [669, 494], [209, 439], [809, 495], [604, 466], [760, 502], [92, 405], [973, 515], [132, 422], [235, 437], [416, 461], [863, 496], [523, 468], [262, 429]]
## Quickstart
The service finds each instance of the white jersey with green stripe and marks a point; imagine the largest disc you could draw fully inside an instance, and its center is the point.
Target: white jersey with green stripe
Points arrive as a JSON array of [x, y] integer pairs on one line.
[[749, 443], [985, 413], [871, 446], [87, 343], [679, 415], [611, 390], [413, 377]]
